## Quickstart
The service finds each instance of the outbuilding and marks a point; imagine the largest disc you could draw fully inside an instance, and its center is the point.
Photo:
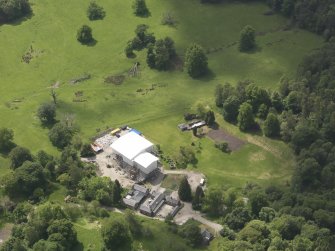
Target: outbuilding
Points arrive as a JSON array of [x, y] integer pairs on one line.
[[135, 151]]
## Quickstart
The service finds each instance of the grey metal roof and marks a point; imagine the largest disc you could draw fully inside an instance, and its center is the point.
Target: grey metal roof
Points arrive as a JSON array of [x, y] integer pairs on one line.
[[207, 235], [145, 208], [140, 188], [156, 201], [129, 202]]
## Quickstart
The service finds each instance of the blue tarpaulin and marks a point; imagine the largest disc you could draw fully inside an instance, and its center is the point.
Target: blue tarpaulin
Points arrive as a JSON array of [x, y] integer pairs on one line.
[[135, 131]]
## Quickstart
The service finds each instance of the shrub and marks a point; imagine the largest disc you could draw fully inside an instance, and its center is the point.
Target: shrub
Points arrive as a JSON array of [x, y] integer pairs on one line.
[[140, 8], [47, 113], [95, 12], [195, 61], [247, 39], [223, 146], [84, 35], [60, 135], [13, 9]]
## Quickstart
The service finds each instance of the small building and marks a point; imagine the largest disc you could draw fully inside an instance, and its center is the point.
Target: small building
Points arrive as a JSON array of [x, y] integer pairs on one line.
[[135, 151], [206, 236], [157, 203], [152, 207], [115, 131], [145, 209], [171, 201], [97, 148], [130, 145], [135, 196], [146, 163], [198, 124]]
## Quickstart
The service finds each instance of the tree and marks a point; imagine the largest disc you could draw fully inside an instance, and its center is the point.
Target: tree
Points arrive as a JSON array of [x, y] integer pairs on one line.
[[210, 118], [25, 179], [18, 156], [288, 226], [117, 189], [14, 9], [84, 35], [191, 232], [53, 94], [237, 218], [213, 202], [87, 151], [6, 137], [94, 188], [129, 50], [47, 113], [197, 199], [245, 117], [44, 158], [247, 39], [254, 232], [271, 126], [257, 201], [292, 102], [13, 244], [116, 235], [184, 190], [267, 214], [66, 229], [219, 95], [160, 54], [44, 245], [140, 8], [230, 109], [300, 243], [60, 135], [135, 225], [151, 58], [143, 38], [303, 137], [95, 11], [195, 61]]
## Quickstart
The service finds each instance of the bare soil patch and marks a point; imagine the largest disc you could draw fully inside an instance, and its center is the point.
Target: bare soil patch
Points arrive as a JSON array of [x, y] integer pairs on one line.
[[5, 232], [220, 135]]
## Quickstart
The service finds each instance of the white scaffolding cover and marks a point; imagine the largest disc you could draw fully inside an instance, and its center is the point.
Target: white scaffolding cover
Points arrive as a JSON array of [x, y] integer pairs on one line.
[[131, 145]]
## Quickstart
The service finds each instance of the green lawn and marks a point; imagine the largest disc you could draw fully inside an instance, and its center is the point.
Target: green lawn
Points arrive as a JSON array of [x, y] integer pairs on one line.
[[172, 181], [51, 31], [156, 236]]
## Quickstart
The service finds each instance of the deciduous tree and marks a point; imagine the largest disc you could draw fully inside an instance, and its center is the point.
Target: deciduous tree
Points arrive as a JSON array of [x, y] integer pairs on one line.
[[247, 39], [184, 190], [195, 61]]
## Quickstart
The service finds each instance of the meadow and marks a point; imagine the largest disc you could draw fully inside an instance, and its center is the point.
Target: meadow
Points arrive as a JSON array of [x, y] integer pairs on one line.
[[51, 32]]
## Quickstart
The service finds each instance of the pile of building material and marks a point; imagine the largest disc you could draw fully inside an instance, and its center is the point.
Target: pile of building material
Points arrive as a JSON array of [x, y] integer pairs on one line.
[[191, 125]]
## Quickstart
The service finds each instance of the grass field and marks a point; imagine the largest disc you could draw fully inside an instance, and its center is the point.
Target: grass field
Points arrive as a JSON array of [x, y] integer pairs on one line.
[[155, 232], [51, 31]]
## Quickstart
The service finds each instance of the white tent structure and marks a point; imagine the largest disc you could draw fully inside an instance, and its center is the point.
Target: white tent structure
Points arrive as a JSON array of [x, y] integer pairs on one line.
[[134, 150], [146, 162]]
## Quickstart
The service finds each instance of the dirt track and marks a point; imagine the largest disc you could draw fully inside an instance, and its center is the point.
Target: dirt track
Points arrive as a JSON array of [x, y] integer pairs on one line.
[[220, 135], [187, 213]]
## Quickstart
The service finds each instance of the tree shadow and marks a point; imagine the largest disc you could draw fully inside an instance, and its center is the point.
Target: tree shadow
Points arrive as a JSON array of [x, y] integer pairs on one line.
[[255, 130], [214, 126], [254, 50], [209, 75], [92, 43], [49, 125], [145, 15], [18, 21], [132, 55], [4, 152], [79, 247]]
